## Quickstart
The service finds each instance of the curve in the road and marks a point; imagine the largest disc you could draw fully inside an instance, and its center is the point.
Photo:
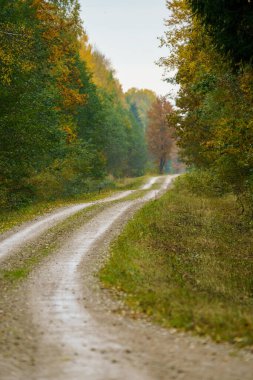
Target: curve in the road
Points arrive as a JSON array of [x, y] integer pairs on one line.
[[58, 308], [36, 228], [32, 231]]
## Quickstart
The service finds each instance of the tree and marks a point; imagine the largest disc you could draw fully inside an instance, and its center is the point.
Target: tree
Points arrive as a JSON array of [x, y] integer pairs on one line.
[[64, 119], [214, 127], [230, 25], [137, 151], [113, 129], [29, 132], [39, 91], [160, 132], [140, 101]]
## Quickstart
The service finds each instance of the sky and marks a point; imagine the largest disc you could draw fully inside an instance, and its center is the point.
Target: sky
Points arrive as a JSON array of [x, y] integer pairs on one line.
[[126, 32]]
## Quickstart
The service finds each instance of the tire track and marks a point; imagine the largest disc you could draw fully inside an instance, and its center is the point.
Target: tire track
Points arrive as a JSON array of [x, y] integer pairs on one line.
[[18, 239]]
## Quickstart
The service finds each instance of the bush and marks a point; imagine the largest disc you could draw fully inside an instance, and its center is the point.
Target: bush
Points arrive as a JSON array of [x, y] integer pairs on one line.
[[203, 182]]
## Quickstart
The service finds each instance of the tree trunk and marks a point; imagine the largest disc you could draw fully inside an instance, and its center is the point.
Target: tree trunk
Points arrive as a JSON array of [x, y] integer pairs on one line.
[[161, 165]]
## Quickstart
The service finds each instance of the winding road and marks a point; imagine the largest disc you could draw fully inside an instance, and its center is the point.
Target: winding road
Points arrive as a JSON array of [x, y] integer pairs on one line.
[[78, 332]]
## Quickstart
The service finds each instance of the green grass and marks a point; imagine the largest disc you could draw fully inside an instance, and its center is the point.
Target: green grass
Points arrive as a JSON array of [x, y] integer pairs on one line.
[[187, 262], [130, 183], [16, 274], [11, 218]]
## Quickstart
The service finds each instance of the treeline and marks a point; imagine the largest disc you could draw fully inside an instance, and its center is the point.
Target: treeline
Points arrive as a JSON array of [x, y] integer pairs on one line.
[[65, 123], [210, 46]]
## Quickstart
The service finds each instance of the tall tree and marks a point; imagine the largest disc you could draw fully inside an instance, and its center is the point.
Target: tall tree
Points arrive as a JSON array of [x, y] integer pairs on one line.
[[230, 25], [116, 133], [28, 121], [39, 90], [141, 101], [159, 132], [215, 102]]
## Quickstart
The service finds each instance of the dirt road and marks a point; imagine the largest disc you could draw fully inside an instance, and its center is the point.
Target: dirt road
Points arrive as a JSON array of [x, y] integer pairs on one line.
[[36, 228], [70, 328]]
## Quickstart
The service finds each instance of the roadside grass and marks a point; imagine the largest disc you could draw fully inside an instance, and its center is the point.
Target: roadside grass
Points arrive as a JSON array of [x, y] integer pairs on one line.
[[11, 218], [186, 261]]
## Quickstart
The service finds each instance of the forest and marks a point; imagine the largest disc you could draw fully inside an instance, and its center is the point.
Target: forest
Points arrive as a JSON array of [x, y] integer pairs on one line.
[[67, 127], [65, 122]]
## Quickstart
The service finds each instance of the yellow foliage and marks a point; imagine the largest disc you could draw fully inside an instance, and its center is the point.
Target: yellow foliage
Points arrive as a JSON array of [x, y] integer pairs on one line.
[[71, 98], [14, 52], [85, 52], [60, 34], [71, 135]]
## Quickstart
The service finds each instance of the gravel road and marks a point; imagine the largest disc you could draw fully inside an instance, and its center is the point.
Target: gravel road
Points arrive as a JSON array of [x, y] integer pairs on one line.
[[34, 229], [68, 327]]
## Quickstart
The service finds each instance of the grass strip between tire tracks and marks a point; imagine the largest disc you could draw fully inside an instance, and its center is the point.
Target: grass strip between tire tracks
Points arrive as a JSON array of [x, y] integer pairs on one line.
[[186, 261]]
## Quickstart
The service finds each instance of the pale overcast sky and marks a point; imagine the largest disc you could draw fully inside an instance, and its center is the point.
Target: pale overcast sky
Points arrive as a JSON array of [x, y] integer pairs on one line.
[[126, 32]]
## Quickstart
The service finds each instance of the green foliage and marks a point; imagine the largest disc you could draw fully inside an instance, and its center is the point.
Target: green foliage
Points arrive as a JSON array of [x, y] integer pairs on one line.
[[230, 24], [203, 183], [140, 102], [119, 135], [28, 122], [137, 151], [64, 122], [70, 175]]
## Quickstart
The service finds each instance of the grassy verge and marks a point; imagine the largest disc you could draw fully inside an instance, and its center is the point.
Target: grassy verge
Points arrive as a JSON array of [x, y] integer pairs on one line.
[[12, 218], [187, 262]]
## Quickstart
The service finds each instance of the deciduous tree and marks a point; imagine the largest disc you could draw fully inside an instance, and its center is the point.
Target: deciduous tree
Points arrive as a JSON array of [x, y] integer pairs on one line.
[[160, 132]]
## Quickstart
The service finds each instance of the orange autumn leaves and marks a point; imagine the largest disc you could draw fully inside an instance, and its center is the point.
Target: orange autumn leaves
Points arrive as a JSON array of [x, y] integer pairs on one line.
[[61, 33], [160, 132]]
